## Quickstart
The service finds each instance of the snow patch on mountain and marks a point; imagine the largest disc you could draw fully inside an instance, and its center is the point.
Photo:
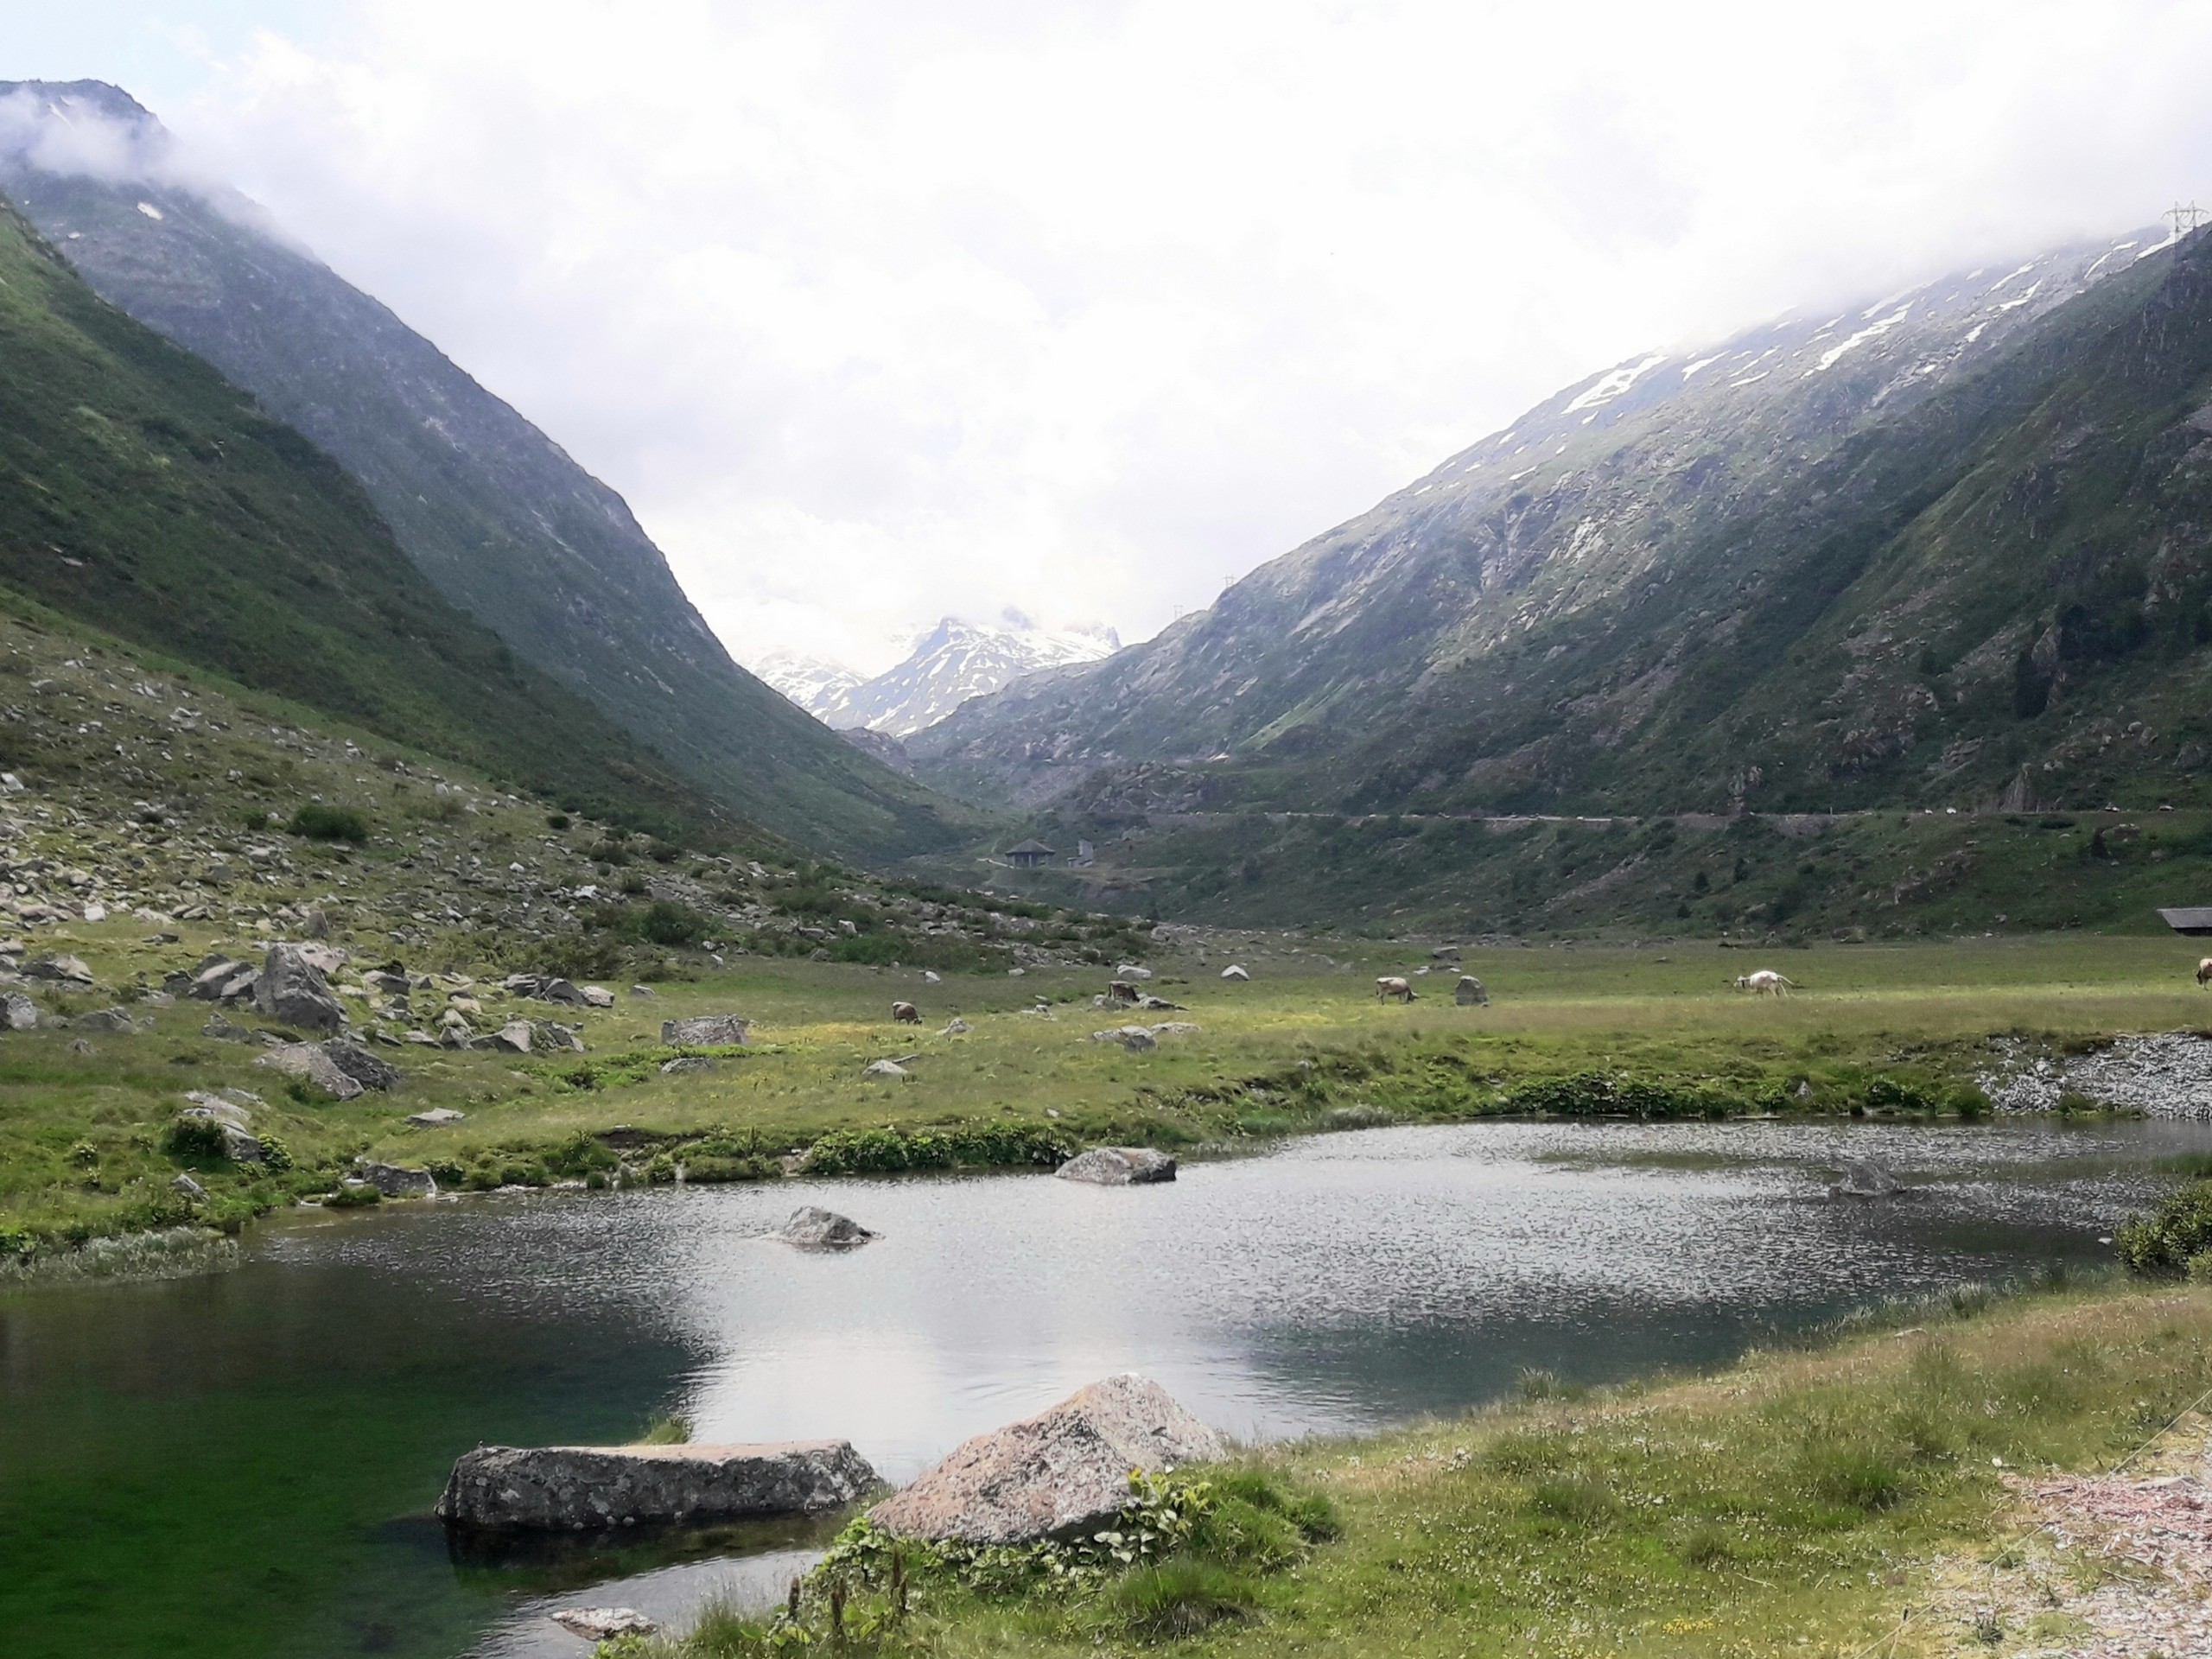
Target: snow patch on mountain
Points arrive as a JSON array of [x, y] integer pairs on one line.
[[952, 662]]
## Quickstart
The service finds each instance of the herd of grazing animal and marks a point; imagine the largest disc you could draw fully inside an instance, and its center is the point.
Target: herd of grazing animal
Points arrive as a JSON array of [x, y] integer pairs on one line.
[[1394, 987]]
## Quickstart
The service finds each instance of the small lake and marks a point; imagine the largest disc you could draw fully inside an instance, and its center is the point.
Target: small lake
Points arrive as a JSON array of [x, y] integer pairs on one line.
[[243, 1465]]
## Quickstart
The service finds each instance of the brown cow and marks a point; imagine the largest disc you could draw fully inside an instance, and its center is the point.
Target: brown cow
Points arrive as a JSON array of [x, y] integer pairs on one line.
[[1391, 986], [2204, 971], [905, 1014]]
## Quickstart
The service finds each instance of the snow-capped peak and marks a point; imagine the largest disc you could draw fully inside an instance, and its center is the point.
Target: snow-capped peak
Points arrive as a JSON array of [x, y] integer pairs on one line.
[[950, 663]]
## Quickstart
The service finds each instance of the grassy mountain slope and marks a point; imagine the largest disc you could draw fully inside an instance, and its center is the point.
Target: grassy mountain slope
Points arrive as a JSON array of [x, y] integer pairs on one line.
[[503, 522], [1968, 559], [140, 491]]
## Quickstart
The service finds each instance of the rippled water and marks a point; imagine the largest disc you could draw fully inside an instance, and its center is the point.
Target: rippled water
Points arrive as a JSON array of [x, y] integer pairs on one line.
[[243, 1465]]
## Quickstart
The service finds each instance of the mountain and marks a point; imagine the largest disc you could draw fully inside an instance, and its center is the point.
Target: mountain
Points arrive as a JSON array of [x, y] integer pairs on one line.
[[811, 683], [1889, 557], [490, 509], [951, 664], [142, 493]]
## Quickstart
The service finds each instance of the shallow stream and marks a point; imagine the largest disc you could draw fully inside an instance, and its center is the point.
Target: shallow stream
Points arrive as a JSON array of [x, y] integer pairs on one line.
[[243, 1465]]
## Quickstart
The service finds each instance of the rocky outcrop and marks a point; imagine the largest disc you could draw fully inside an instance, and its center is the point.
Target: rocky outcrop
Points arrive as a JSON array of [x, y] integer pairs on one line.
[[292, 990], [368, 1070], [578, 1487], [1063, 1471], [311, 1065], [1118, 1166], [705, 1030], [603, 1623], [812, 1227]]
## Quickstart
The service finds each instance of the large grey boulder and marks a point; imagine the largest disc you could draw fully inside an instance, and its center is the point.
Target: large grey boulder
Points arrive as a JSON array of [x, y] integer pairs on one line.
[[576, 1488], [396, 1181], [1118, 1166], [292, 990], [1064, 1472], [18, 1011], [704, 1030], [1470, 993], [66, 970], [106, 1020], [813, 1228], [369, 1070], [310, 1065]]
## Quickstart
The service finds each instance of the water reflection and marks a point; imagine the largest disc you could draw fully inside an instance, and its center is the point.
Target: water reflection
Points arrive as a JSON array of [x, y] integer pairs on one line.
[[224, 1466]]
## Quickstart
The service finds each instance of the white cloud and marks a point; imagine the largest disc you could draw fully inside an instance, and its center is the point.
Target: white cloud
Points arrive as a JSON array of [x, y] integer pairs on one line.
[[876, 311]]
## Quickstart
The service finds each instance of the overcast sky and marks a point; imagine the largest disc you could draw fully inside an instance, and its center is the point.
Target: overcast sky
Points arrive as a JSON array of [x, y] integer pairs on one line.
[[882, 309]]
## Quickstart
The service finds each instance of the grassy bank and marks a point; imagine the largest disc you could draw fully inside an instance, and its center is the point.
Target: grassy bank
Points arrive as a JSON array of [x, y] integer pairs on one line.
[[1799, 1502], [1879, 1029]]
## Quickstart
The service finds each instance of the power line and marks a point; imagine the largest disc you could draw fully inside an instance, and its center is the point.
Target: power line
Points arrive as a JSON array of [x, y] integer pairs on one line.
[[2186, 218]]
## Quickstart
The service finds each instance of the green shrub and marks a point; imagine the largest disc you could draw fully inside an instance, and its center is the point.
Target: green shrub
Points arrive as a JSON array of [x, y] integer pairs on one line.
[[1852, 1477], [1576, 1499], [318, 820], [664, 923], [353, 1198], [556, 820], [667, 1429], [877, 1152], [194, 1137], [2163, 1242], [1180, 1598]]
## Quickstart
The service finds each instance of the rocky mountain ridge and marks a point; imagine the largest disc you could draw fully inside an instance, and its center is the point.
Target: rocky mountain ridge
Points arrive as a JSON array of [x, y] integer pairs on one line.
[[1581, 613]]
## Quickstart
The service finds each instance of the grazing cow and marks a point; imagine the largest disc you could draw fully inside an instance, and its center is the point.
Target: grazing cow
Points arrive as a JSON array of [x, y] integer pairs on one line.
[[2204, 971], [1392, 986], [1765, 982], [905, 1014]]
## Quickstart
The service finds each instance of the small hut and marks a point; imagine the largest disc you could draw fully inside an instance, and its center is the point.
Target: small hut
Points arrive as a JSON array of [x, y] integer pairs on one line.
[[1028, 855], [2196, 923]]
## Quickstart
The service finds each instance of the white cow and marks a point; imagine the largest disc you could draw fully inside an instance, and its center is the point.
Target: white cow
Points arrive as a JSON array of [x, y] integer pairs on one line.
[[1391, 988], [1765, 982], [2204, 969]]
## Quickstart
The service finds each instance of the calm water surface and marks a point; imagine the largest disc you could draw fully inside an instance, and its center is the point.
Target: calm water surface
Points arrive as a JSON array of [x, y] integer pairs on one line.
[[244, 1464]]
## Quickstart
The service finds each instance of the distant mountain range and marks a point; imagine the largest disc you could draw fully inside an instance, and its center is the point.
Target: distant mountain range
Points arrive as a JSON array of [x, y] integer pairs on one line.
[[1888, 555], [951, 664], [503, 522]]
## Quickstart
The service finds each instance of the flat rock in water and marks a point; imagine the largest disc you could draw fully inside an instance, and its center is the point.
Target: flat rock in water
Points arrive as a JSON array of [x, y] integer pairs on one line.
[[1864, 1178], [705, 1030], [1063, 1471], [1118, 1166], [600, 1623], [576, 1488], [310, 1064], [813, 1228]]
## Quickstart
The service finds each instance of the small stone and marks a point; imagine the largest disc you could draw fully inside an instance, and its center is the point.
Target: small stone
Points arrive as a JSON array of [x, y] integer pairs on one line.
[[598, 996], [1118, 1166], [933, 976], [18, 1011], [1130, 970], [224, 1031], [689, 1063], [436, 1118], [1236, 973], [111, 1019], [956, 1026], [514, 1037], [186, 1185], [886, 1069], [646, 991]]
